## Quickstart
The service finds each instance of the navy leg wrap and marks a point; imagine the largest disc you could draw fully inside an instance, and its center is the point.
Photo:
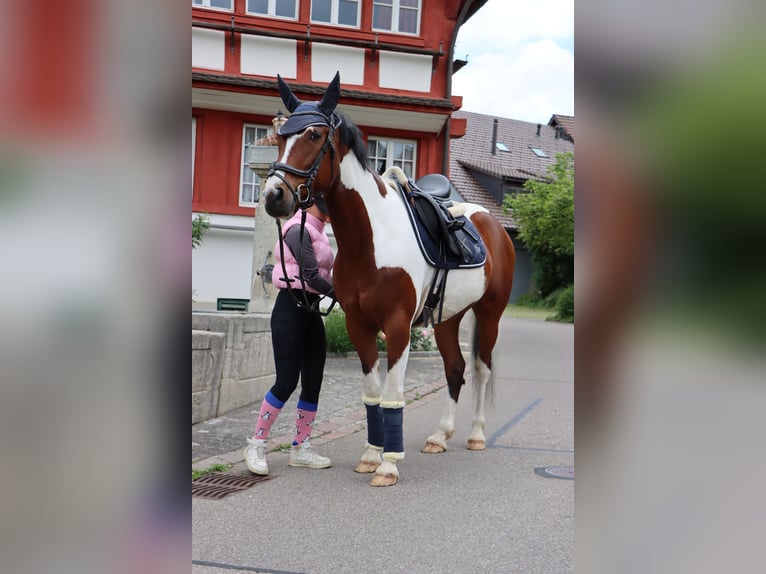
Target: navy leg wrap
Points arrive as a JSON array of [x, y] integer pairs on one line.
[[394, 439], [374, 425]]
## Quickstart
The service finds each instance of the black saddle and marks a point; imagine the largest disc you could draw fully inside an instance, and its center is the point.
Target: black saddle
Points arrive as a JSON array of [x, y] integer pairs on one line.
[[436, 185], [429, 197], [446, 242]]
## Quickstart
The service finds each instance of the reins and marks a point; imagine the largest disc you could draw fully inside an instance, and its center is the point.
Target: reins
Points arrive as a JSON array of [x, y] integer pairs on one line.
[[305, 203]]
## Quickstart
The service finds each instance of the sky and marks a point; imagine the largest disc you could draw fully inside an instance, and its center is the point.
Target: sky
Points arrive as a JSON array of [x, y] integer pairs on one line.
[[520, 60]]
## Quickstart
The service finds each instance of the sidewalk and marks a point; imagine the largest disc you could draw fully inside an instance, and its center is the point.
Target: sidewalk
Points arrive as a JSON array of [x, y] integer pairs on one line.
[[222, 439]]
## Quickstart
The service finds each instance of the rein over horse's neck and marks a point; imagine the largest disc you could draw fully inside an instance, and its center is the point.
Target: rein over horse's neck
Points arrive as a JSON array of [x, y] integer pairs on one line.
[[350, 217]]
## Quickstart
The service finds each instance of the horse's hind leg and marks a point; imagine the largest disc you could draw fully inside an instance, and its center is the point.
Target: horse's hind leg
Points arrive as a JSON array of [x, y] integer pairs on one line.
[[448, 342], [484, 339]]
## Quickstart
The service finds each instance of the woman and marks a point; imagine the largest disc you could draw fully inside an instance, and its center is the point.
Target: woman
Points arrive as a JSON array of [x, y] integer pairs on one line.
[[298, 338]]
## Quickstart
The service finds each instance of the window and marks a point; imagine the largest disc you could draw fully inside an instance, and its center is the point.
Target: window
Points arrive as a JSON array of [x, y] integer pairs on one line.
[[250, 183], [538, 152], [383, 154], [396, 16], [340, 12], [276, 8], [513, 188], [502, 146], [220, 4]]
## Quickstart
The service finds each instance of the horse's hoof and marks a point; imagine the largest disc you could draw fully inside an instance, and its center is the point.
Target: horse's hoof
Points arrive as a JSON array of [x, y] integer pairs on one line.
[[365, 467], [475, 444], [432, 448], [388, 479]]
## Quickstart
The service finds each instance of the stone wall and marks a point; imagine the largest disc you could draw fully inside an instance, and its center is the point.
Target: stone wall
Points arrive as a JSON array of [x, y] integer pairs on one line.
[[243, 342], [207, 360]]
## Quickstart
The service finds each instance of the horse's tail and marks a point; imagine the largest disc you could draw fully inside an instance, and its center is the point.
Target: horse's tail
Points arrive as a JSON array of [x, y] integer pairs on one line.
[[489, 391]]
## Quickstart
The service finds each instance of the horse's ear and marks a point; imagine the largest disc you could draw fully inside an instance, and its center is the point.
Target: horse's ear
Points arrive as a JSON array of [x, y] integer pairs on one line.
[[287, 95], [331, 96]]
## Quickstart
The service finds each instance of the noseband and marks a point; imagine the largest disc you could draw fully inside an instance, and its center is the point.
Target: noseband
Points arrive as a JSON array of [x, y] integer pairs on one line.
[[309, 174]]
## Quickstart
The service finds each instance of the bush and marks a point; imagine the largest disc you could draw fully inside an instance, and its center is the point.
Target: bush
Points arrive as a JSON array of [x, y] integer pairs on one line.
[[200, 225], [565, 305], [336, 334], [528, 300], [421, 339], [537, 301], [551, 272]]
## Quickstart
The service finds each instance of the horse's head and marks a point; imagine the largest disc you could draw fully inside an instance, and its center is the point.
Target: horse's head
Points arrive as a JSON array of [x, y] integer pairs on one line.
[[307, 161]]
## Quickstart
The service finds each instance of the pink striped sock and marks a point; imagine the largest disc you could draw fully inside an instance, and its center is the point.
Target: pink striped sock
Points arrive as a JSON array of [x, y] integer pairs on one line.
[[304, 422], [266, 418]]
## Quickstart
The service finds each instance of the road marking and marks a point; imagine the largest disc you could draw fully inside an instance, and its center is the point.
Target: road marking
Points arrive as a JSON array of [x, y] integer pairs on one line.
[[511, 423], [245, 568]]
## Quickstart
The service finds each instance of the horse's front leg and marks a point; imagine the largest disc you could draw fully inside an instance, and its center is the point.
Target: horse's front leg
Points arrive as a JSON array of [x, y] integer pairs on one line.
[[392, 405], [364, 338]]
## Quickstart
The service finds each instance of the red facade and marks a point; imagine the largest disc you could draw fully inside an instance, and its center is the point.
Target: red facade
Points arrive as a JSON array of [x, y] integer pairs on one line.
[[224, 98]]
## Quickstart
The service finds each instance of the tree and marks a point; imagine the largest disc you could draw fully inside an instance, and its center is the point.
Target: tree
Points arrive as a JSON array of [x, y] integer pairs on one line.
[[545, 215], [200, 225]]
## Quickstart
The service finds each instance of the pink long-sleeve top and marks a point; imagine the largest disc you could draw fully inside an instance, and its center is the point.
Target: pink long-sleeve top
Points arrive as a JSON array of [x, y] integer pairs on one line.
[[316, 256]]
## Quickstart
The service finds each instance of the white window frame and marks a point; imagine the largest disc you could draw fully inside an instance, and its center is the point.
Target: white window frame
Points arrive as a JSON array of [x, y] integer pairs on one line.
[[334, 9], [244, 168], [389, 159], [206, 5], [272, 10], [395, 9]]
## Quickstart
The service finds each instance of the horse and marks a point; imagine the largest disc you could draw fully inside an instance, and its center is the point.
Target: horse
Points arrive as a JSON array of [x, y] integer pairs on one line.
[[380, 277]]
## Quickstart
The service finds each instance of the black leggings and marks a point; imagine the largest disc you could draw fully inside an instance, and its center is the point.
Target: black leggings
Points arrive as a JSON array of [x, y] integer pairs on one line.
[[300, 348]]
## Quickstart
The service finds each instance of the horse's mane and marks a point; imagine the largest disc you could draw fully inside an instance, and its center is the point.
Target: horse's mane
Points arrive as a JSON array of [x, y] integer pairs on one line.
[[351, 136]]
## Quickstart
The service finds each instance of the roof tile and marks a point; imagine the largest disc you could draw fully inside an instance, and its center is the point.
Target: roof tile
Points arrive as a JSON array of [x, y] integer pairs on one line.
[[472, 154]]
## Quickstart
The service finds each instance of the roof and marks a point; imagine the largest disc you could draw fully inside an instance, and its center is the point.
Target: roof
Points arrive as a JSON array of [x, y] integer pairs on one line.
[[566, 122], [471, 156]]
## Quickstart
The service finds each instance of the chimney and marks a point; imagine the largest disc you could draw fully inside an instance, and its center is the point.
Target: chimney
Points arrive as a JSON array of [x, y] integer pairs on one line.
[[538, 130], [494, 137]]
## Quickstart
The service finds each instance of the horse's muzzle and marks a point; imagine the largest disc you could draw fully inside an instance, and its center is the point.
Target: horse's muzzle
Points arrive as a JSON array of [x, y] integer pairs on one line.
[[277, 200]]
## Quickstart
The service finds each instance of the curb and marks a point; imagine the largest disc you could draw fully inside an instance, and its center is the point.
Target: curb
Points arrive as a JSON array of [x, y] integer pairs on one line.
[[382, 354], [326, 431]]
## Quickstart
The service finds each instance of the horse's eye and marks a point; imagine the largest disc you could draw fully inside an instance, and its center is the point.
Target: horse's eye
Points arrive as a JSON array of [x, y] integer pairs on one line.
[[315, 136]]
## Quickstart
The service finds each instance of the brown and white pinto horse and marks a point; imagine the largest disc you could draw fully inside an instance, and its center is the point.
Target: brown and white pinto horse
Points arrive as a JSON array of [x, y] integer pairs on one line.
[[381, 279]]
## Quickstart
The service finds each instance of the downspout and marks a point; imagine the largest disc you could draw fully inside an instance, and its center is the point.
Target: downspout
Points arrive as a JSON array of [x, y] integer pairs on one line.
[[450, 60]]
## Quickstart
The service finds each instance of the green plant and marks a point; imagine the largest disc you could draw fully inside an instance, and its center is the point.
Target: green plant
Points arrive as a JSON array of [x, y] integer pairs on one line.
[[528, 300], [380, 340], [200, 225], [565, 305], [421, 339], [338, 341], [336, 334], [545, 214], [209, 469]]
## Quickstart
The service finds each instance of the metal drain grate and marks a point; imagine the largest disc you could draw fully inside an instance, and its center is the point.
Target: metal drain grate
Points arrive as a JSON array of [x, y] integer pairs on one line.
[[565, 472], [218, 485]]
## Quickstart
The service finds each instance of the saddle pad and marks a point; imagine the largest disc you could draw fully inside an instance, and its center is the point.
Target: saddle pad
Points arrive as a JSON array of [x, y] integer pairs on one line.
[[440, 257]]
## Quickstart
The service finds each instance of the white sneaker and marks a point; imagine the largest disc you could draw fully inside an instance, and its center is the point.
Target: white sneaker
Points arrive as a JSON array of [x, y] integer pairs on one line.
[[303, 455], [255, 456]]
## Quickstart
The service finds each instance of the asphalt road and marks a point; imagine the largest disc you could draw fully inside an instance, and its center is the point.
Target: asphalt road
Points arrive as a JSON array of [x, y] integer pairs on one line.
[[457, 512]]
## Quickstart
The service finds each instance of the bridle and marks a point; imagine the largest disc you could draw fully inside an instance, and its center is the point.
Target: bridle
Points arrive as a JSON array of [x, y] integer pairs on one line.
[[333, 122], [304, 203]]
